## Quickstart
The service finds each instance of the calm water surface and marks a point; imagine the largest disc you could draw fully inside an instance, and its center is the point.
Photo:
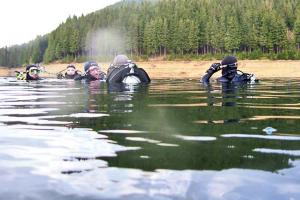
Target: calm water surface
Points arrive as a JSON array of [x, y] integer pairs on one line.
[[174, 139]]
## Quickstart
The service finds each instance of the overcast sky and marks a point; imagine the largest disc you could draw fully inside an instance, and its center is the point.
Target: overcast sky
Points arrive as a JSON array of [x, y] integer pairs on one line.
[[22, 20]]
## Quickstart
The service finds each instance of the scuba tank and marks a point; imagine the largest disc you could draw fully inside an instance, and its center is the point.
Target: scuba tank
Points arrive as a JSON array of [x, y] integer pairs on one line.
[[131, 78], [127, 73]]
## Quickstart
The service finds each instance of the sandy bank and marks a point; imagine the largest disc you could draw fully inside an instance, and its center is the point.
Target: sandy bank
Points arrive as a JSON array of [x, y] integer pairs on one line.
[[190, 69]]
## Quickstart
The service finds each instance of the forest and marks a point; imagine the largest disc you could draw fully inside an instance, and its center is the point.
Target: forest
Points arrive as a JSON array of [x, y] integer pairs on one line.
[[170, 29]]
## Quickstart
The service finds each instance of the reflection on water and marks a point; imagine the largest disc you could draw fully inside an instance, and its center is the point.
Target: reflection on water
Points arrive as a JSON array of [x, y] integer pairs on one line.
[[174, 139]]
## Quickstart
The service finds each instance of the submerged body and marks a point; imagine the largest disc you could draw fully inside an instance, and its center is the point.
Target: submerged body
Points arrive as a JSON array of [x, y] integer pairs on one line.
[[32, 73], [92, 72], [71, 73], [128, 74], [237, 78], [229, 72], [122, 70]]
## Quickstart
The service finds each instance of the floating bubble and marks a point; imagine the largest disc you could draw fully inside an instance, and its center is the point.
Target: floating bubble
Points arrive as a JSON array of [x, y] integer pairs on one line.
[[269, 130]]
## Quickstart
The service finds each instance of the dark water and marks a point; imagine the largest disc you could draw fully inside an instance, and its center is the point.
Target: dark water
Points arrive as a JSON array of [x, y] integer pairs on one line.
[[175, 139]]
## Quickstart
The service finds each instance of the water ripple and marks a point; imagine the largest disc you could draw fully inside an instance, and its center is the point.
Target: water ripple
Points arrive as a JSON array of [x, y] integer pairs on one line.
[[278, 151], [122, 131], [269, 137], [196, 138]]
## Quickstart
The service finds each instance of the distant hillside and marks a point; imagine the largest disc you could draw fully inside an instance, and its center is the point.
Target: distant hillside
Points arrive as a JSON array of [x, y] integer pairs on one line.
[[171, 29]]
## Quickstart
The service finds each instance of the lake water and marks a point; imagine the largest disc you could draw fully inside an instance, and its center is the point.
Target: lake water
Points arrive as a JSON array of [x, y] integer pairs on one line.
[[174, 139]]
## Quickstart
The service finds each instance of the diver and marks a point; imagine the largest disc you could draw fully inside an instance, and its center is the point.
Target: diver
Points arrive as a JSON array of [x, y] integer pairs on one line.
[[92, 71], [123, 70], [71, 73], [229, 72], [20, 75], [32, 73]]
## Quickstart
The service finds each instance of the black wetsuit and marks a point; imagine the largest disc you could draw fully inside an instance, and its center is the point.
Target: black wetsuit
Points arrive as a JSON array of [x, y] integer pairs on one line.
[[66, 76], [29, 78], [229, 75], [116, 74], [71, 76]]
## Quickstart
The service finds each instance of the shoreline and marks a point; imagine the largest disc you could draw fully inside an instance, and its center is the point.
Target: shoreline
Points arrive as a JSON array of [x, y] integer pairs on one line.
[[188, 69]]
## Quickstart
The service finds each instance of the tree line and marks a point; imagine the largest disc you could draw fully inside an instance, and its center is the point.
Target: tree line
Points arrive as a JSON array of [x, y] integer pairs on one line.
[[171, 29]]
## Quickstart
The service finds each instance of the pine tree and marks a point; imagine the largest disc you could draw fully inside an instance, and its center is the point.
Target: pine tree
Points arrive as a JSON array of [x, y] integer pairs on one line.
[[193, 37], [233, 35], [181, 34], [164, 36], [297, 32], [150, 38], [280, 34], [74, 41]]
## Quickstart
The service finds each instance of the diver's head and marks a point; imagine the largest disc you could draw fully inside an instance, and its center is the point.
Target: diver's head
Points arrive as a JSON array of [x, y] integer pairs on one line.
[[92, 70], [71, 70], [120, 60], [32, 72], [229, 67]]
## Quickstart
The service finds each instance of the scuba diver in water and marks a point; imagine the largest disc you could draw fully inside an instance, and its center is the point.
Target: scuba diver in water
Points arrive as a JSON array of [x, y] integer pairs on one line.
[[20, 75], [71, 73], [122, 70], [229, 72], [32, 73], [232, 83], [92, 72]]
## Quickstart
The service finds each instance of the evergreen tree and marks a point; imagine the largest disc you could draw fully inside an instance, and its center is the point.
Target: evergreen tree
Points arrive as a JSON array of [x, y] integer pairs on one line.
[[74, 42], [164, 36], [233, 35], [193, 37], [297, 32], [150, 42]]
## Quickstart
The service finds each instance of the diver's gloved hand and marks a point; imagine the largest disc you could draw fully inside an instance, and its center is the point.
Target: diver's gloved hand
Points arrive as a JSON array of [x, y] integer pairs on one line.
[[214, 68]]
